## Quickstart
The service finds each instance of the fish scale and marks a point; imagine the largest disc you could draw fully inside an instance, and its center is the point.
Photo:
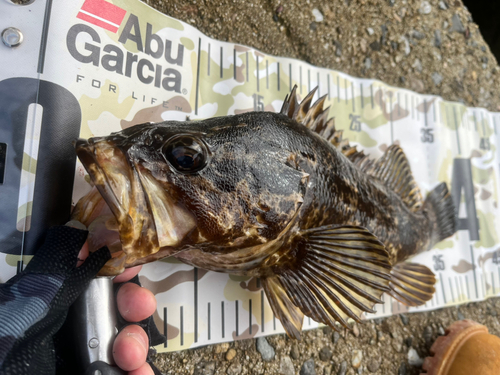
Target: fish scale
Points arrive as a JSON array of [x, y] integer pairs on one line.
[[438, 137]]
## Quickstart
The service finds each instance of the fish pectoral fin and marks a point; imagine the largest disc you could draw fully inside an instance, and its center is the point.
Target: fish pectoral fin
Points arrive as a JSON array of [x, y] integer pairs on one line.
[[334, 273], [412, 284], [394, 170], [289, 315]]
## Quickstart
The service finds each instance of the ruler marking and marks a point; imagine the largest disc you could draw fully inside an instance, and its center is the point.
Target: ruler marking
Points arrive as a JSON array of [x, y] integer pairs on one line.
[[237, 317], [451, 289], [474, 269], [475, 120], [222, 63], [456, 129], [483, 284], [371, 94], [209, 322], [328, 84], [234, 64], [353, 99], [412, 107], [482, 123], [278, 69], [165, 327], [492, 284], [208, 62], [300, 78], [290, 76], [250, 316], [390, 116], [247, 67], [434, 109], [425, 113], [223, 320], [498, 274], [399, 105], [258, 78], [197, 78], [318, 85], [308, 80], [467, 285], [442, 286], [182, 325], [494, 124], [406, 102], [309, 321], [338, 89], [391, 304], [267, 74], [195, 276], [459, 290], [274, 322], [345, 84], [362, 97], [383, 305], [262, 311]]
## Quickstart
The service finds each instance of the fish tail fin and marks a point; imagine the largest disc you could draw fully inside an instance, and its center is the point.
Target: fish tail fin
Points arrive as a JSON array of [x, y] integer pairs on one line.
[[442, 212], [283, 308]]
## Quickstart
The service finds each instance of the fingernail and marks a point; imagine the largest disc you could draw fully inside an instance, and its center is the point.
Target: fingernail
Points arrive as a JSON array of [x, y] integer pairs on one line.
[[76, 224], [140, 339]]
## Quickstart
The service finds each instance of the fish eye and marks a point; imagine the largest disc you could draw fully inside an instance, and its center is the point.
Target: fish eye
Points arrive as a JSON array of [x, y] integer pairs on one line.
[[186, 153]]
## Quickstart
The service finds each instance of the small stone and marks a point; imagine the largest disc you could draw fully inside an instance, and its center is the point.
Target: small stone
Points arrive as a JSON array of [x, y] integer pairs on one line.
[[443, 5], [266, 350], [335, 337], [417, 65], [204, 368], [428, 335], [327, 330], [357, 356], [437, 78], [313, 26], [438, 41], [441, 331], [380, 336], [355, 330], [391, 2], [375, 46], [286, 366], [484, 60], [325, 354], [414, 359], [425, 7], [383, 38], [338, 49], [397, 345], [402, 79], [456, 24], [394, 45], [308, 368], [327, 370], [409, 341], [370, 31], [275, 18], [437, 55], [483, 48], [373, 365], [404, 319], [294, 352], [318, 16], [417, 85], [279, 9], [402, 369], [230, 354], [406, 44], [234, 369], [221, 348], [342, 368], [417, 35]]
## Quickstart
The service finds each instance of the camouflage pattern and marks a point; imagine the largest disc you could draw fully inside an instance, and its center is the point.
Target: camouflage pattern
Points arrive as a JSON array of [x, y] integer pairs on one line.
[[443, 141]]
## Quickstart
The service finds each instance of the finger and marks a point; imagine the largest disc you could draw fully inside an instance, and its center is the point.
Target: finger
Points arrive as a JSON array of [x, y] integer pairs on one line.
[[127, 274], [145, 369], [83, 254], [135, 303], [130, 348]]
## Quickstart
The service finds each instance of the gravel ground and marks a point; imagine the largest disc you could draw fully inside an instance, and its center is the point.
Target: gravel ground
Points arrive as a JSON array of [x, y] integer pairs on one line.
[[426, 46]]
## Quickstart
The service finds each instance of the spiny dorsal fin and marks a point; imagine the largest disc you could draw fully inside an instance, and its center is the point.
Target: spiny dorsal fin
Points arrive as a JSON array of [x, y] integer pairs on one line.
[[394, 170], [341, 272], [412, 284]]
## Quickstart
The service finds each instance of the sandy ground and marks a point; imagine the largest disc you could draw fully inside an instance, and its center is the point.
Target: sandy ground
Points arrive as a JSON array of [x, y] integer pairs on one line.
[[428, 46]]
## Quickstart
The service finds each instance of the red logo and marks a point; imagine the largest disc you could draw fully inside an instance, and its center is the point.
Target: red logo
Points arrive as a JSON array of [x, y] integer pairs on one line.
[[102, 14]]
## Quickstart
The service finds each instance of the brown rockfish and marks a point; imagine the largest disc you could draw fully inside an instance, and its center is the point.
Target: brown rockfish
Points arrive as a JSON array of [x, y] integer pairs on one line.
[[278, 196]]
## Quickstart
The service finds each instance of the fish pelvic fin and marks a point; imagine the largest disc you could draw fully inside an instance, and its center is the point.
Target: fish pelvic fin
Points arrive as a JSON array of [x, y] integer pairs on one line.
[[412, 284], [442, 213], [283, 308], [333, 273]]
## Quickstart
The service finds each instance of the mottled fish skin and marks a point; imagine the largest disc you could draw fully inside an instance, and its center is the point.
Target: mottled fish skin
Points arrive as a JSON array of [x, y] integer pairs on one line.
[[273, 195]]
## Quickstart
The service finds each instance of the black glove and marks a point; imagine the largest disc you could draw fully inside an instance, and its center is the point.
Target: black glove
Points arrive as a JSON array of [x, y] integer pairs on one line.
[[34, 303]]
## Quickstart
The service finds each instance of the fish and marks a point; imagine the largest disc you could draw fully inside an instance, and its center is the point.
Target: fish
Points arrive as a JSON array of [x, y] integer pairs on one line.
[[278, 196]]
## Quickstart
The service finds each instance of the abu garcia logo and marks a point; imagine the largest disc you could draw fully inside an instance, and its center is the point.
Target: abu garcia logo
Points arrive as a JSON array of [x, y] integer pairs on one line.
[[114, 59]]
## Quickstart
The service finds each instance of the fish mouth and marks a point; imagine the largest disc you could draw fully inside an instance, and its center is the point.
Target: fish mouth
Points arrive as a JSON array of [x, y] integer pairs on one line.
[[145, 215]]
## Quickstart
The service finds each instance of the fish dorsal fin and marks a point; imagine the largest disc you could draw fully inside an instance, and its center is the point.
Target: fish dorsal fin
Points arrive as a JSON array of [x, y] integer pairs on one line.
[[334, 273], [412, 284], [394, 170]]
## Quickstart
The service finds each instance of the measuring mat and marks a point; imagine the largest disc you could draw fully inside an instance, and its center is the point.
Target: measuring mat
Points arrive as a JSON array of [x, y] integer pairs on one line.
[[88, 68]]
